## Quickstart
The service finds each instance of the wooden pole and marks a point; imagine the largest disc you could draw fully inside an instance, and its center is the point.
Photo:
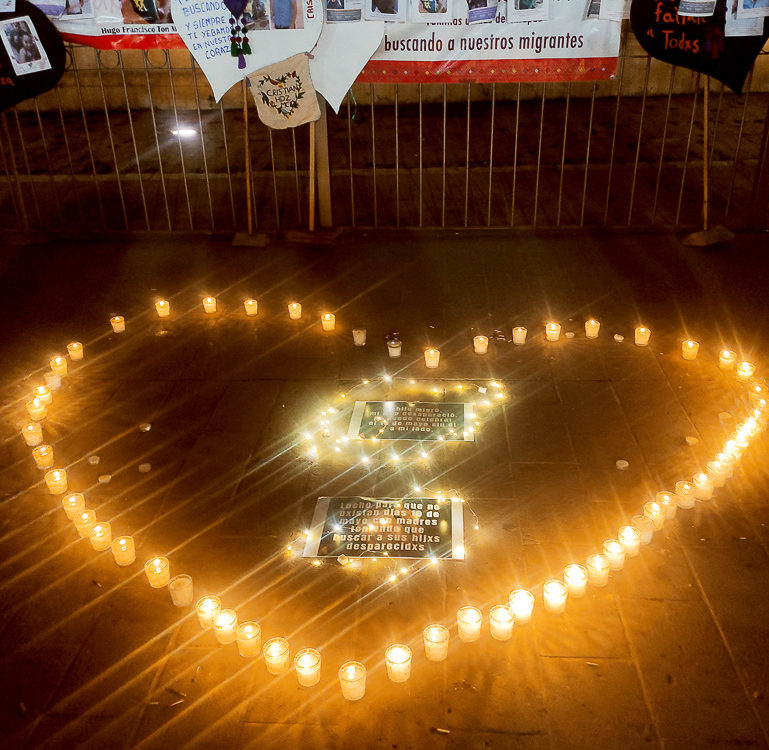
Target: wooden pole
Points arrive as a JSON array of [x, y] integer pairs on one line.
[[312, 176], [706, 155], [249, 197]]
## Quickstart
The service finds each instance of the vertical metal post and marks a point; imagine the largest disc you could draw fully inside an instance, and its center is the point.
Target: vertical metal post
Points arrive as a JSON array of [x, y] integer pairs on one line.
[[323, 168]]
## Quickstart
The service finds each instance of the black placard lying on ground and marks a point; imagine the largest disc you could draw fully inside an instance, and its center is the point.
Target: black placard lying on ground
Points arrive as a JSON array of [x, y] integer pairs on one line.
[[412, 420], [386, 527]]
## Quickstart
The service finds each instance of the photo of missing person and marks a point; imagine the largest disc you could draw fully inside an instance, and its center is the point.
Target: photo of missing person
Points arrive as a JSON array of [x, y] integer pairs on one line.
[[286, 14], [334, 4], [256, 16], [77, 9], [481, 11], [432, 7], [23, 46], [146, 11], [530, 10]]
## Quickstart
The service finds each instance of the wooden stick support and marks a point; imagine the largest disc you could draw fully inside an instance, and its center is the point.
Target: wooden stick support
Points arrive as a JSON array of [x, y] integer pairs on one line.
[[312, 177], [247, 150], [705, 151]]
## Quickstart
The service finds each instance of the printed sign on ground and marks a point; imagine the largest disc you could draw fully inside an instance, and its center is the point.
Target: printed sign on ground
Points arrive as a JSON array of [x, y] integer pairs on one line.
[[411, 420]]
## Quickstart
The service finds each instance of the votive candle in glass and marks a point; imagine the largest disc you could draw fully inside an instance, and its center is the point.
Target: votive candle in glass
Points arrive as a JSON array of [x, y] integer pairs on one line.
[[597, 570], [118, 323], [276, 653], [352, 680], [307, 665], [394, 348], [43, 456], [432, 358], [642, 335], [328, 321], [398, 662], [501, 622], [436, 640], [668, 502], [100, 536], [180, 588], [209, 304], [469, 620], [36, 409], [745, 371], [73, 504], [645, 526], [522, 604], [32, 434], [655, 513], [56, 481], [206, 609], [575, 576], [163, 308], [554, 592], [75, 350], [123, 550], [630, 536], [614, 552], [249, 639], [726, 359], [359, 336], [251, 306], [58, 365], [553, 331], [702, 486], [592, 327], [689, 349], [158, 572], [225, 624], [44, 393], [295, 310], [480, 344], [519, 335], [685, 495], [84, 522]]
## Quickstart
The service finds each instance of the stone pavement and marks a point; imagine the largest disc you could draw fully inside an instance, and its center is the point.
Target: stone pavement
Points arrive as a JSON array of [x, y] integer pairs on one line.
[[672, 653]]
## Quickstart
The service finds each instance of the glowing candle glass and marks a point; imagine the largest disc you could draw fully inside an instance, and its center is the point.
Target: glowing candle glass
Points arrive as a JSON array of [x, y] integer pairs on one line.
[[295, 310], [469, 620], [645, 526], [75, 350], [553, 331], [597, 570], [118, 323], [480, 344], [726, 359], [432, 358], [44, 393], [655, 513], [36, 409], [251, 306], [123, 550], [436, 640], [745, 371], [225, 625], [52, 380], [352, 680], [719, 471], [398, 662], [685, 495], [522, 604], [642, 335], [614, 553], [575, 576], [702, 486], [307, 665], [84, 522], [58, 365], [630, 536], [249, 639], [209, 304], [592, 327], [100, 536], [56, 481], [180, 588], [206, 609], [394, 348], [328, 321], [668, 502], [359, 336], [519, 335], [32, 434], [73, 504], [43, 456], [554, 593], [276, 653], [158, 572], [689, 349], [501, 622], [163, 308]]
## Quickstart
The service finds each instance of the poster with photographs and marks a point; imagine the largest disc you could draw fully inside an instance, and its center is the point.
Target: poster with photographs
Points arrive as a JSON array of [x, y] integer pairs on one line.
[[481, 11], [256, 16], [7, 6], [616, 10], [519, 11], [430, 11], [75, 9], [385, 10], [23, 46], [752, 8], [344, 11], [742, 26], [51, 8]]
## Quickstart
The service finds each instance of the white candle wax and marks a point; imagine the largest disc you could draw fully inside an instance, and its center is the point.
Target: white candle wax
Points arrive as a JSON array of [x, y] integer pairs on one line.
[[745, 371], [630, 536], [58, 365], [36, 409], [43, 456], [32, 434], [295, 310], [206, 609], [554, 593], [249, 639], [469, 620], [668, 502], [209, 304], [276, 653], [123, 550], [100, 536], [726, 359], [84, 522], [307, 665], [592, 327], [225, 625], [597, 570], [352, 680], [251, 306], [685, 495], [436, 640], [359, 336], [645, 526], [73, 504], [158, 572], [480, 344], [522, 605], [655, 513], [44, 393], [702, 486], [614, 552], [394, 348], [75, 350], [398, 662], [575, 576], [56, 481], [328, 321], [163, 308], [432, 358], [501, 622], [553, 331], [519, 335], [642, 335], [180, 588], [118, 323], [689, 349]]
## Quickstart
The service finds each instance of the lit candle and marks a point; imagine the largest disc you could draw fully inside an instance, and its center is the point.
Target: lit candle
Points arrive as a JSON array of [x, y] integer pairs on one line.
[[359, 336], [519, 335], [180, 588], [209, 304], [32, 434], [432, 358], [295, 310], [394, 348], [642, 335], [44, 393], [56, 481], [163, 308], [43, 456], [702, 486], [522, 604], [436, 640], [398, 662], [58, 365], [206, 608], [249, 639], [276, 655], [630, 536], [469, 620], [614, 552], [689, 349], [645, 526], [745, 371], [668, 502], [328, 321], [655, 513], [553, 331], [73, 504], [501, 622], [685, 495], [592, 327], [352, 680], [158, 572], [36, 409], [75, 350], [251, 306], [480, 344], [554, 593], [726, 359], [84, 522], [118, 323], [123, 550], [307, 665], [100, 536], [597, 570], [225, 625], [575, 576]]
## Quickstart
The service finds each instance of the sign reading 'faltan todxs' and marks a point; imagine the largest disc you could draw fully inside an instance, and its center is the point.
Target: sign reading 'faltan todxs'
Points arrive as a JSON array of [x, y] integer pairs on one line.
[[412, 420], [416, 528]]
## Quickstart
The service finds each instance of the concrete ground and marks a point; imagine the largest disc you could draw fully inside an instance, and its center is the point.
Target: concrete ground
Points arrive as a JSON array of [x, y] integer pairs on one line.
[[672, 653]]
